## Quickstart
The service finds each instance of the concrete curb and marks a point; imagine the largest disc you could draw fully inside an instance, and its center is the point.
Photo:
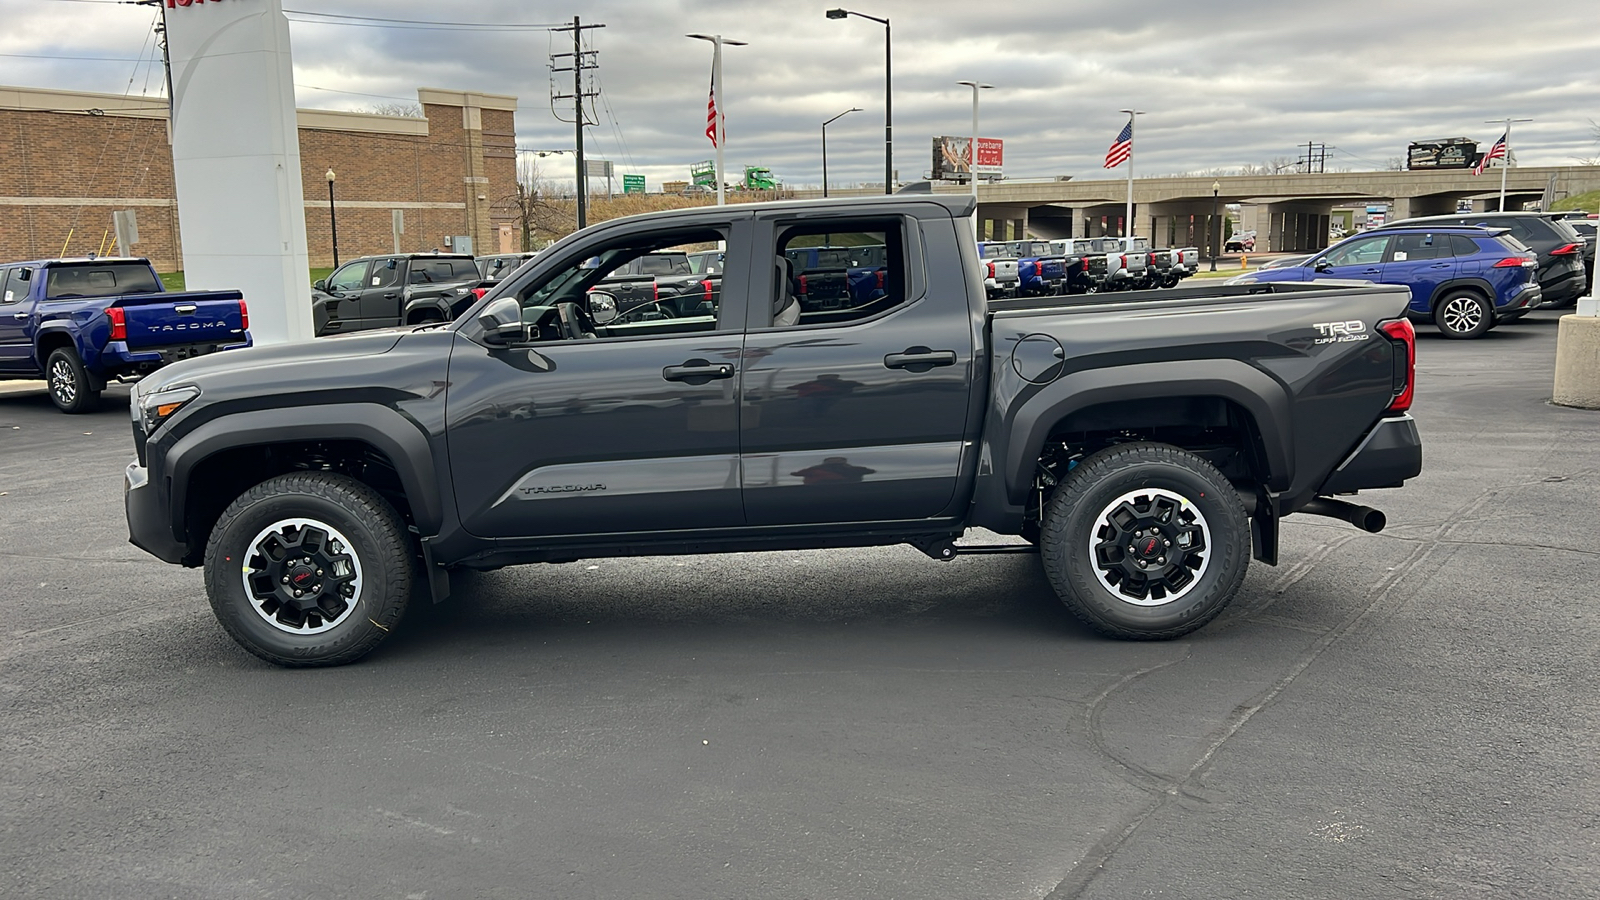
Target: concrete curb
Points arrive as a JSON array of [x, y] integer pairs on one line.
[[20, 387]]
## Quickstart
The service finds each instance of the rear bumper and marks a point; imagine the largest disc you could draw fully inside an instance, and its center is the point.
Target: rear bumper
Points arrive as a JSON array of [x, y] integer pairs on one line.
[[119, 358], [1390, 454], [148, 527]]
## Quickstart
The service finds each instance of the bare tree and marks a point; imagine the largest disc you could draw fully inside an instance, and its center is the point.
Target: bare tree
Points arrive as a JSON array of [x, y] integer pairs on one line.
[[539, 217], [395, 109], [1394, 163], [1594, 132]]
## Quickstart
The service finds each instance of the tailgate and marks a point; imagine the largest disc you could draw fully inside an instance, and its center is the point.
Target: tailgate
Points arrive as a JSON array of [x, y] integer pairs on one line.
[[192, 317]]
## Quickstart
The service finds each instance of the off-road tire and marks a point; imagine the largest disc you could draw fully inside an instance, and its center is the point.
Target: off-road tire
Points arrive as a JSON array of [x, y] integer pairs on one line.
[[341, 506], [71, 389], [1078, 517], [1462, 315]]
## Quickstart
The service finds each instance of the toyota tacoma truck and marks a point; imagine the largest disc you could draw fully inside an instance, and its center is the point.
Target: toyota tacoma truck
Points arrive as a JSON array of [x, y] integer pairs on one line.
[[82, 323], [1145, 445]]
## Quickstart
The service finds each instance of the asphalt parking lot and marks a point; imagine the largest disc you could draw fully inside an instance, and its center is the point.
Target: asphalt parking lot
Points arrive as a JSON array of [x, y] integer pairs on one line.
[[1410, 714]]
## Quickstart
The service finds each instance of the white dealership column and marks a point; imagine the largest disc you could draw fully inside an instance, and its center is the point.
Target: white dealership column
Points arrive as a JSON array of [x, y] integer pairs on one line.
[[236, 160]]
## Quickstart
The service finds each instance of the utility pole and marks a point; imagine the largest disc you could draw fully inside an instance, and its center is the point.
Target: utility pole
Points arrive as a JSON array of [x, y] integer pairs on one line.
[[581, 60]]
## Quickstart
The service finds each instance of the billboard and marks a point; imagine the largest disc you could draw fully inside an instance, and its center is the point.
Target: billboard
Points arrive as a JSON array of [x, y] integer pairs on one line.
[[1449, 153], [952, 159]]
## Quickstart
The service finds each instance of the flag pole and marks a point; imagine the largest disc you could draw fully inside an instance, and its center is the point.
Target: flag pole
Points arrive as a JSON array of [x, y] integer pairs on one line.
[[1127, 222], [718, 103], [1505, 161]]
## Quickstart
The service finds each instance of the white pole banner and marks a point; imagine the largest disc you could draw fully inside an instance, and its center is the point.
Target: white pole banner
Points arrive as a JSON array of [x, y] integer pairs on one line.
[[236, 160]]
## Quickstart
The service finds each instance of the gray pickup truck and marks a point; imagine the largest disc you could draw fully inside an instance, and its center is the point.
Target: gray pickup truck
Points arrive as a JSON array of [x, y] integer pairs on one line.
[[385, 291], [1145, 445]]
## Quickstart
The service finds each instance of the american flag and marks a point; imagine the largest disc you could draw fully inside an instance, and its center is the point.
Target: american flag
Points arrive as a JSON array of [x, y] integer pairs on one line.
[[711, 112], [1498, 151], [1121, 148]]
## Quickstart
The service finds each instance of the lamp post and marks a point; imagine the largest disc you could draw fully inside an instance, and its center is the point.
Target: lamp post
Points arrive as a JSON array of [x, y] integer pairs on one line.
[[888, 95], [717, 41], [333, 221], [825, 145], [1216, 188], [972, 149]]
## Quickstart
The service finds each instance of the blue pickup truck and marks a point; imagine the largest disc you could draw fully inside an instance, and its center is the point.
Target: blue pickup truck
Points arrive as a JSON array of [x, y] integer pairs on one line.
[[80, 323]]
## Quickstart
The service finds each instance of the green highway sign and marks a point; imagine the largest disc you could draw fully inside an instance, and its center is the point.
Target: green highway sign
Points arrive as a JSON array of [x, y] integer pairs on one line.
[[633, 184]]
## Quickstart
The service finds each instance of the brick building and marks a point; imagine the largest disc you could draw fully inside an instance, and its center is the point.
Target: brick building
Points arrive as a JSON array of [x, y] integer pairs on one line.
[[74, 158]]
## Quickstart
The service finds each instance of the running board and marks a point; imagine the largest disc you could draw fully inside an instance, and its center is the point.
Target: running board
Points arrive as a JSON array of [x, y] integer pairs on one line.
[[944, 548]]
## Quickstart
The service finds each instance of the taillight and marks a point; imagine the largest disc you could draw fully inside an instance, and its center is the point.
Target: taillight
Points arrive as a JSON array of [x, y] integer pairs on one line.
[[244, 316], [803, 288], [119, 323], [1152, 259], [655, 290], [1124, 260], [1525, 261], [1404, 337], [880, 279], [707, 286], [991, 270], [478, 292], [1567, 250]]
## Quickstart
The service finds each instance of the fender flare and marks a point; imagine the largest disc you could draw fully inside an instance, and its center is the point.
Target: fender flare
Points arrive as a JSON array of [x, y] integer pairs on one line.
[[1463, 282], [397, 436], [436, 304], [1260, 395]]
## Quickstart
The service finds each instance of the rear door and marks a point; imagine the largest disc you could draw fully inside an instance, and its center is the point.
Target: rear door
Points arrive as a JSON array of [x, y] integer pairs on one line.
[[1422, 262], [857, 412], [380, 292]]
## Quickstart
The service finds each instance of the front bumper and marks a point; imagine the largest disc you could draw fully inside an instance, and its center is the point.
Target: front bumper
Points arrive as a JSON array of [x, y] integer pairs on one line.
[[1390, 453], [149, 526]]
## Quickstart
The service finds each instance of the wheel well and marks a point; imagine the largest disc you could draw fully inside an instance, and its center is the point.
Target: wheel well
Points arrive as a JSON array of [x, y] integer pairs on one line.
[[1216, 429], [1449, 289], [418, 316], [50, 341], [220, 478]]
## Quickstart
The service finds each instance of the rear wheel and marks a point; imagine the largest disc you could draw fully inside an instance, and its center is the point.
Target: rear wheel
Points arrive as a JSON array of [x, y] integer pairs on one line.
[[1145, 542], [1462, 315], [309, 569], [70, 387]]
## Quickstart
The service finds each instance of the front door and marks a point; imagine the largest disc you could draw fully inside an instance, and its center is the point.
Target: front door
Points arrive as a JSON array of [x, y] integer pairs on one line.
[[855, 410], [1360, 259], [343, 288], [16, 350], [594, 429]]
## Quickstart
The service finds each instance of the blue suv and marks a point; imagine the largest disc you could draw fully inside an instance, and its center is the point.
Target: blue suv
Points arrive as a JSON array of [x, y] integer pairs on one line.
[[1463, 279]]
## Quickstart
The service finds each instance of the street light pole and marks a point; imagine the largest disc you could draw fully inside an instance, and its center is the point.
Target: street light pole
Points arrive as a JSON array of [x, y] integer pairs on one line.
[[1127, 225], [888, 94], [717, 41], [825, 145], [333, 221], [972, 150], [1216, 188]]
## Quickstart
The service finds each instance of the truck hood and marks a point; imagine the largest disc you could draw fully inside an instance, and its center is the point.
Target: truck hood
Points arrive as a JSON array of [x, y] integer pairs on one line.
[[274, 363]]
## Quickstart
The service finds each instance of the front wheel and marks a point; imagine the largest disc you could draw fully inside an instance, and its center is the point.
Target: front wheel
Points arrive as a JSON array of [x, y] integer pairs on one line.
[[1145, 542], [71, 389], [1463, 314], [309, 569]]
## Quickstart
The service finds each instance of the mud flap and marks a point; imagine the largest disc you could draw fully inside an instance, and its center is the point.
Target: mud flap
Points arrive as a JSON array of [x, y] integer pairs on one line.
[[1264, 529]]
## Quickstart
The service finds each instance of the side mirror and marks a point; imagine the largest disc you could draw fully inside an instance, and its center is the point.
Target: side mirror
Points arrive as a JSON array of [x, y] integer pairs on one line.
[[1322, 264], [501, 320], [602, 307], [320, 285]]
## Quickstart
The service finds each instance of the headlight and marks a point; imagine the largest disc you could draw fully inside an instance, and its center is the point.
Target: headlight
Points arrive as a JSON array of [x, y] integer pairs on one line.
[[158, 407]]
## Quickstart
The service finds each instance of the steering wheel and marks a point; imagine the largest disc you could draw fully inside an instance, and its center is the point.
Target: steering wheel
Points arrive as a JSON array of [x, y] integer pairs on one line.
[[575, 322]]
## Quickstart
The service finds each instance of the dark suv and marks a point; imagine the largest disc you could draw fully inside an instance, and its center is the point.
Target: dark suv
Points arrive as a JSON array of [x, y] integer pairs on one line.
[[1464, 280], [1559, 247]]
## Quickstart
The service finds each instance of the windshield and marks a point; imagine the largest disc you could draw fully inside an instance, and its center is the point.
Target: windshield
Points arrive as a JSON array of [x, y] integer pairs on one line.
[[99, 280]]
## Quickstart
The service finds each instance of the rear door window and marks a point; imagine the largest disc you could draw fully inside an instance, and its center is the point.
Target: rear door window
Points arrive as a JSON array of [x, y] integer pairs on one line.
[[1461, 245], [840, 271], [1413, 247]]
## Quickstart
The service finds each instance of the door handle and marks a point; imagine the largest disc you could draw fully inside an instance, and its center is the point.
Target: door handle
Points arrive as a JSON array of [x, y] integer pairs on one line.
[[697, 371], [20, 317], [391, 296], [919, 359]]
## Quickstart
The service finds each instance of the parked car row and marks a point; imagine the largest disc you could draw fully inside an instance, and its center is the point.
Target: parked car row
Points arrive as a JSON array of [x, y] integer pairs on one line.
[[404, 289], [1034, 268]]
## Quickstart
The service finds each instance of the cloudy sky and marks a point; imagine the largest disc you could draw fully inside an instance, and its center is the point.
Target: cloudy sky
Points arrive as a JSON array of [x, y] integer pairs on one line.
[[1224, 84]]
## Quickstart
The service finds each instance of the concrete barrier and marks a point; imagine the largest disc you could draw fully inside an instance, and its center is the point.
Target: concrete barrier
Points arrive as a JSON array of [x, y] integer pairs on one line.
[[1578, 362]]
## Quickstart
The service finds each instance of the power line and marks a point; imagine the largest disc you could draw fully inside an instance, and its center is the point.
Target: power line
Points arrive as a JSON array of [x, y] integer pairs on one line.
[[323, 18]]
